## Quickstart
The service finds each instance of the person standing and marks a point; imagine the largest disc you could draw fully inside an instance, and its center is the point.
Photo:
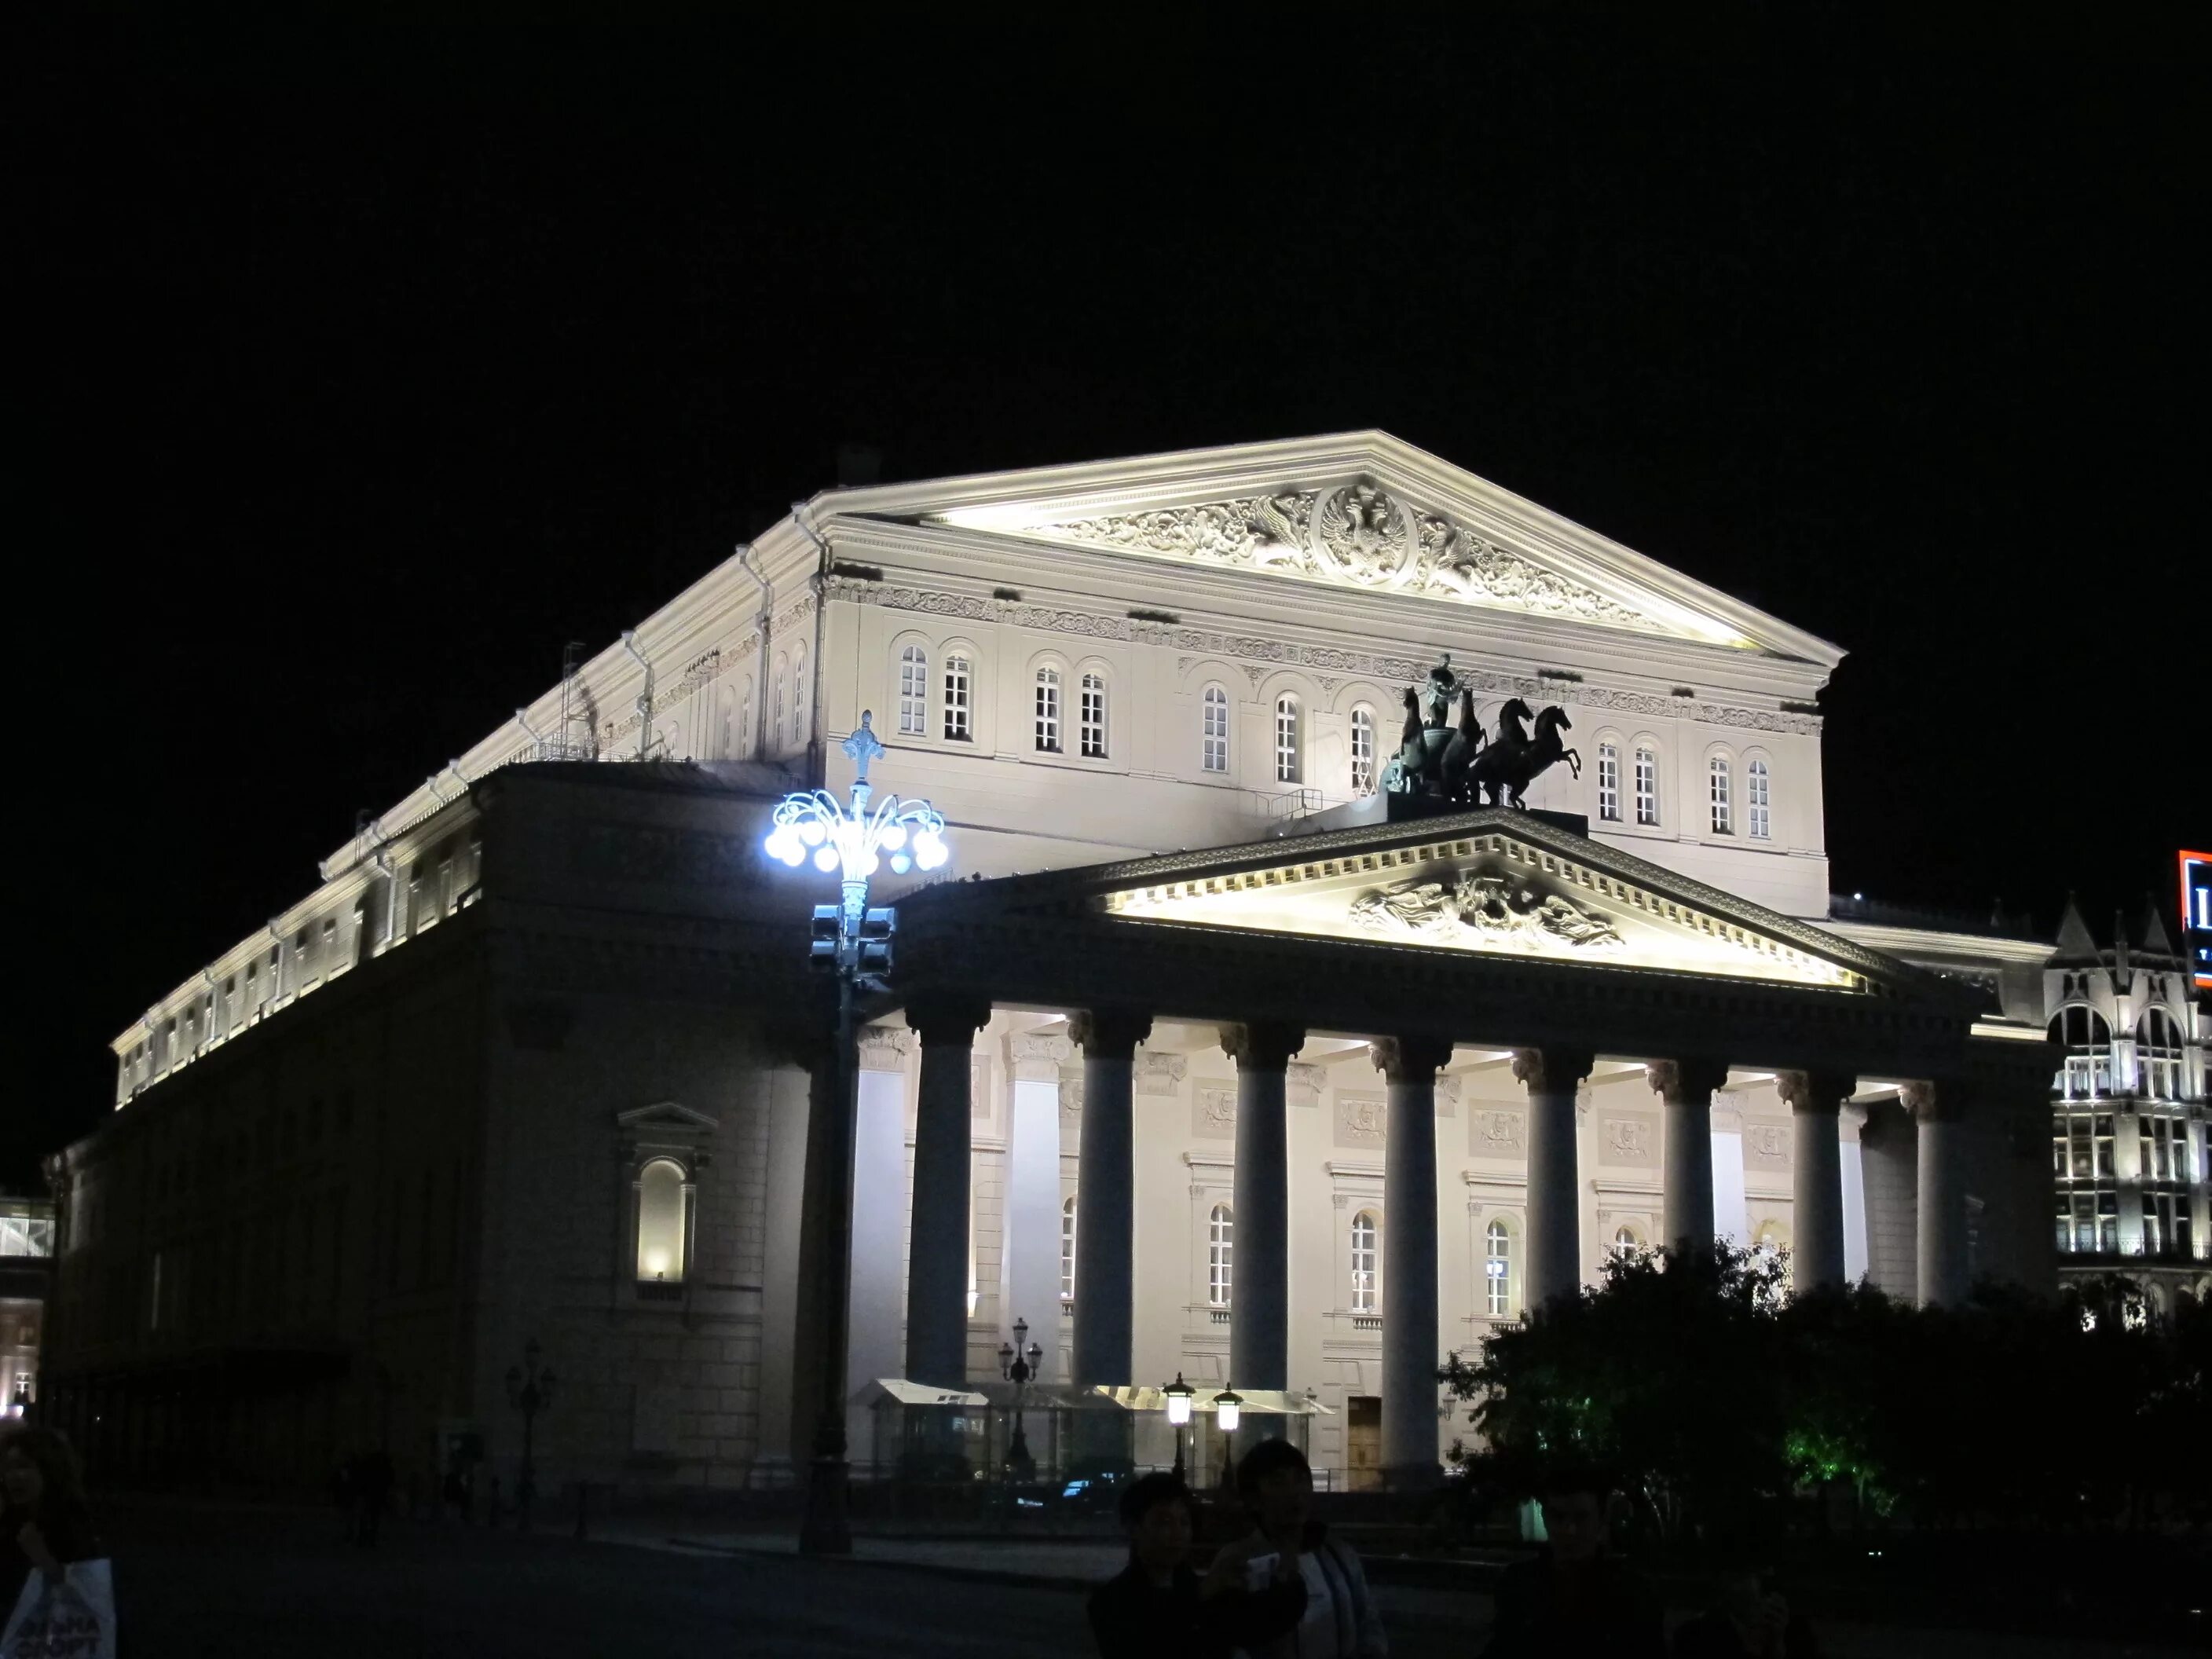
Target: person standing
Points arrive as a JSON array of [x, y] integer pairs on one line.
[[44, 1522], [1157, 1608], [1275, 1483], [1576, 1597]]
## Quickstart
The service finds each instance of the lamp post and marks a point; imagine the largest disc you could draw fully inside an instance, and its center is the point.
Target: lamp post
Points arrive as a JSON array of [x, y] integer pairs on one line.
[[530, 1391], [1179, 1394], [854, 839], [1228, 1410], [1018, 1365]]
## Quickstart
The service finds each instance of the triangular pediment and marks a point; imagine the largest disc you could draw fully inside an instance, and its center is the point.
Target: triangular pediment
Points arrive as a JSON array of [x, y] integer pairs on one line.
[[1360, 511], [1497, 883], [667, 1116]]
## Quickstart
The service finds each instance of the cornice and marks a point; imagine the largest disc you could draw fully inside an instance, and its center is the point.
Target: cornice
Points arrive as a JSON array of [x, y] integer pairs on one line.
[[1906, 941]]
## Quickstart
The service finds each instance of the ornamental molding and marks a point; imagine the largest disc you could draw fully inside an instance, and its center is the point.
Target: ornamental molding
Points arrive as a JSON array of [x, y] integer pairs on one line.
[[884, 1048], [1037, 1056], [1304, 1083], [1159, 1072], [1193, 643], [1497, 908], [1213, 1112]]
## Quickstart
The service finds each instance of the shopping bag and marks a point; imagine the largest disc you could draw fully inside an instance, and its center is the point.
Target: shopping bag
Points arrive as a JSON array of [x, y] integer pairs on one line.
[[73, 1619]]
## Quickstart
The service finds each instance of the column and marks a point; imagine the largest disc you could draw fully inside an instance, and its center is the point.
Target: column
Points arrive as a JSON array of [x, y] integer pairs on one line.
[[1939, 1110], [1552, 1076], [873, 1347], [1411, 1345], [1816, 1175], [937, 1240], [1028, 1270], [1106, 1196], [1259, 1293], [1684, 1088]]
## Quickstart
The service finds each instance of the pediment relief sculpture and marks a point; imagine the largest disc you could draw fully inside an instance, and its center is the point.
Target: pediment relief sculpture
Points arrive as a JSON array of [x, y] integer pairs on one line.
[[1500, 911], [1358, 535]]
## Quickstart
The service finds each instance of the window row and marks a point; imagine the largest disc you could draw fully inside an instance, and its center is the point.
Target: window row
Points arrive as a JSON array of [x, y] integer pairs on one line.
[[2090, 1071], [1757, 818]]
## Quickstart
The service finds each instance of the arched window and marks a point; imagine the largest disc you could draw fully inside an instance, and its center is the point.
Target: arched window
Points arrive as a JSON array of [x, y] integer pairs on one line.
[[1647, 786], [1215, 753], [1363, 749], [1719, 793], [914, 691], [1625, 1241], [1759, 801], [1363, 1262], [1047, 711], [1093, 712], [1067, 1250], [660, 1221], [1609, 782], [2158, 1051], [1220, 1244], [1498, 1271], [2087, 1072], [1287, 739], [958, 675]]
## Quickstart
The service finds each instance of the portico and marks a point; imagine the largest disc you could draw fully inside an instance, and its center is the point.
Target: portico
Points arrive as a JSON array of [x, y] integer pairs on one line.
[[1492, 967]]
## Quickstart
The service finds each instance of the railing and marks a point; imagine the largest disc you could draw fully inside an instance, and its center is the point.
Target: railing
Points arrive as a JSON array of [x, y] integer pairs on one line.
[[660, 1289]]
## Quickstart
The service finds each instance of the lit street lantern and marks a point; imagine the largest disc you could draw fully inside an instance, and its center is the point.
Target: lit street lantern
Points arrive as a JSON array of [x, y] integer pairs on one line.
[[856, 840], [1018, 1365], [1179, 1394]]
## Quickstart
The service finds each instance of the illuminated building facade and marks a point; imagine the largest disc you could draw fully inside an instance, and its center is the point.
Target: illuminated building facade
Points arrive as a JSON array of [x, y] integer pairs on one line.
[[1236, 1065]]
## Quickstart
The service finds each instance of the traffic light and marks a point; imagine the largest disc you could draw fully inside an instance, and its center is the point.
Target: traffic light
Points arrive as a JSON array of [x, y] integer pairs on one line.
[[822, 952], [877, 927]]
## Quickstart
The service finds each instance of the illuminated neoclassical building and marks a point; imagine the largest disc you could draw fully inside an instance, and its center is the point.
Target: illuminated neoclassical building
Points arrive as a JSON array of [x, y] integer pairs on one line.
[[1212, 1057]]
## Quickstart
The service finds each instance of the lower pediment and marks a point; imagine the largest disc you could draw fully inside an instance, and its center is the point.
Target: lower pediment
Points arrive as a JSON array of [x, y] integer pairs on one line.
[[1492, 893]]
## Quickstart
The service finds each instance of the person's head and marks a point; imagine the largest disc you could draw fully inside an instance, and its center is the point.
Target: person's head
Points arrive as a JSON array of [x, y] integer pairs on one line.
[[1276, 1483], [39, 1471], [1576, 1502], [1155, 1514]]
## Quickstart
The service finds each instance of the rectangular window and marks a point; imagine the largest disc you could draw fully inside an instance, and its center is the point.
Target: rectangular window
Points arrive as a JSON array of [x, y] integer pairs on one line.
[[1762, 818], [1647, 786], [1216, 755], [1286, 741], [1047, 711], [1362, 751], [2151, 1218], [1093, 712], [1723, 823], [914, 691], [956, 698], [2108, 1222], [1608, 783], [2105, 1148]]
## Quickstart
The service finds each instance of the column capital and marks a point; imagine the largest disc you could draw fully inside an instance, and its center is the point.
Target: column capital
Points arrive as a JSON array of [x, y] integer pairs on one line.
[[1108, 1033], [1939, 1100], [1413, 1057], [1263, 1045], [944, 1018], [1553, 1071], [1691, 1078], [1824, 1093]]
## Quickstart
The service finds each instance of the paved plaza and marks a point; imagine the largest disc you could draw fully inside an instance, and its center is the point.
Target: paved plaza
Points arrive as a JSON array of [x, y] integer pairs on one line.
[[200, 1580]]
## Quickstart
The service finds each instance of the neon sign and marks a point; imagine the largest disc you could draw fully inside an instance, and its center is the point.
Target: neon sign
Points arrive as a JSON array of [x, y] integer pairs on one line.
[[2197, 915]]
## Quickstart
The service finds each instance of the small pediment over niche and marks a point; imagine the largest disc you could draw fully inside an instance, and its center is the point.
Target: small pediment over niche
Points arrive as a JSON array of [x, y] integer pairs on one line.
[[664, 1125]]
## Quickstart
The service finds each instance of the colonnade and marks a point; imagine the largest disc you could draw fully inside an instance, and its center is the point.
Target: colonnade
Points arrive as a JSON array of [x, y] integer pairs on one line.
[[1260, 1313]]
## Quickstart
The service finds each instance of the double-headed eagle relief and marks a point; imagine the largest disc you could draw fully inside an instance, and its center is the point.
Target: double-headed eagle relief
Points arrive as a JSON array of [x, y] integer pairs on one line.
[[1498, 910], [1455, 760]]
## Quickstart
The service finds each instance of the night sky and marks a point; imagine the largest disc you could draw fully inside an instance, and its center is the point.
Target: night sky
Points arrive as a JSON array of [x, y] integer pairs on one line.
[[359, 371]]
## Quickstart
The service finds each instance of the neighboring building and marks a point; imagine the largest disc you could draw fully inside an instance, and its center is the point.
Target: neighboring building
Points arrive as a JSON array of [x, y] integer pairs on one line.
[[27, 1267], [1254, 1075]]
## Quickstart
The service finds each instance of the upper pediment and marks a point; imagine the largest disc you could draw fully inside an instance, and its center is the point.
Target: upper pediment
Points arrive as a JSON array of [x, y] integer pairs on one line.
[[1362, 511], [1498, 883]]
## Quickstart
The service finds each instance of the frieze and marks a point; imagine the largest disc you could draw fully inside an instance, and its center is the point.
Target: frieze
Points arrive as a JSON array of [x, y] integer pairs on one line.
[[1193, 642], [1767, 1142], [1498, 909], [1631, 1140], [1448, 1097], [1071, 1092], [1303, 1083]]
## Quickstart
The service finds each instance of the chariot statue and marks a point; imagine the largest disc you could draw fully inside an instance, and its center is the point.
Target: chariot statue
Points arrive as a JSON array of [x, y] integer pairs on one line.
[[1458, 761]]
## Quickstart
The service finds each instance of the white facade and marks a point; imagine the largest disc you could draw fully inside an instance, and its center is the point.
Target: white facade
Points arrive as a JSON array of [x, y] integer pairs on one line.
[[1107, 662]]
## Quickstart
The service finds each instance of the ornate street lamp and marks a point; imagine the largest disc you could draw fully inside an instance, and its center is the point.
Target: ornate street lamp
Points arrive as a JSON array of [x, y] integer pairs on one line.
[[1018, 1365], [856, 840], [1179, 1394], [530, 1391], [1228, 1405]]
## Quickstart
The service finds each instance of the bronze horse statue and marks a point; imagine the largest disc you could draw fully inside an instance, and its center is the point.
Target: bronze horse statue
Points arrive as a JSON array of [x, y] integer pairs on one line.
[[1434, 760], [1512, 762]]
